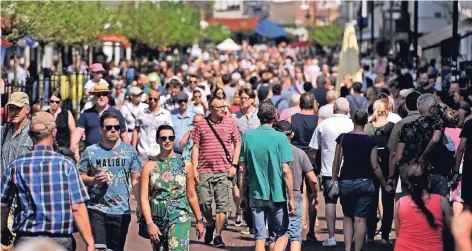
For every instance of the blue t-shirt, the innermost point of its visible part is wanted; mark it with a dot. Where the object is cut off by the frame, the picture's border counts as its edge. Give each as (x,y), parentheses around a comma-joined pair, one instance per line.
(181,126)
(119,163)
(90,121)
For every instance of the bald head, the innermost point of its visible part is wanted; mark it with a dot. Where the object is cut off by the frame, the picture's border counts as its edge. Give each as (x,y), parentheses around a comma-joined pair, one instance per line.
(331,96)
(341,106)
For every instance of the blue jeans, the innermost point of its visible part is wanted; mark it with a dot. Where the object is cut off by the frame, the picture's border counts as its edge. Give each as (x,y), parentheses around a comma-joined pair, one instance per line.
(274,212)
(356,196)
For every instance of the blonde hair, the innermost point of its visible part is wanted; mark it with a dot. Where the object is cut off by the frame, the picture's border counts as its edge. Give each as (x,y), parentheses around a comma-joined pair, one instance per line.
(380,109)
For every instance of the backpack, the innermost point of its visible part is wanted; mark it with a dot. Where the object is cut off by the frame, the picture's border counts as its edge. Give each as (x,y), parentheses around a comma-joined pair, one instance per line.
(381,137)
(442,159)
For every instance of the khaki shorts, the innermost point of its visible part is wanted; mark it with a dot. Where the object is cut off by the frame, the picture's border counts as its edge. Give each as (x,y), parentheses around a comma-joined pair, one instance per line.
(217,186)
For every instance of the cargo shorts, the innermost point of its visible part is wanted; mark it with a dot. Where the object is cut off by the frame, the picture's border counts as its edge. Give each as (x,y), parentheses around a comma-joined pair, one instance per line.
(217,186)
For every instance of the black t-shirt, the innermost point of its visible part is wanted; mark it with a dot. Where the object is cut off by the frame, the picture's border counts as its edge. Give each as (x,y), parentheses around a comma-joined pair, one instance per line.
(320,95)
(356,153)
(466,132)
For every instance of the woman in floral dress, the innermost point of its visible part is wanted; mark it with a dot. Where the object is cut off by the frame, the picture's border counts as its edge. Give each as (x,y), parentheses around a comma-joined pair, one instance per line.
(167,195)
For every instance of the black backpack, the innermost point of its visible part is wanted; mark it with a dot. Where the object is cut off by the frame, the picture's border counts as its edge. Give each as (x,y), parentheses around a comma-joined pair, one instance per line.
(381,137)
(442,159)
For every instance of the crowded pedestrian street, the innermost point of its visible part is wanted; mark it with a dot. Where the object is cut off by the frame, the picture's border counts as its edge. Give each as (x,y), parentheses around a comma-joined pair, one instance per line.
(236,125)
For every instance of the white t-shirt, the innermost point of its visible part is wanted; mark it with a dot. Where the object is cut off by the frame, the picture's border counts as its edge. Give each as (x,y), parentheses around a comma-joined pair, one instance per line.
(148,125)
(325,137)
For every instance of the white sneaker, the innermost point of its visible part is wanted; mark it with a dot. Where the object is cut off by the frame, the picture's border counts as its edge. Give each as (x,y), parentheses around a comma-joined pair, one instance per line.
(239,220)
(330,242)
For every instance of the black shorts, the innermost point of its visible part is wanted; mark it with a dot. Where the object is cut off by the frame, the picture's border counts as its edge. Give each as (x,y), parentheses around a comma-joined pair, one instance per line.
(109,231)
(327,181)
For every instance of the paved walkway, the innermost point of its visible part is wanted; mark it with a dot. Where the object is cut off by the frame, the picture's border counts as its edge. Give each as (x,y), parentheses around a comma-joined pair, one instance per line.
(238,242)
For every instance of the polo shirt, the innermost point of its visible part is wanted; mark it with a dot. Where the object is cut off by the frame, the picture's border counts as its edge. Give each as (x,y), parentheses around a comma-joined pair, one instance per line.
(148,124)
(211,157)
(245,122)
(90,121)
(181,125)
(325,136)
(264,162)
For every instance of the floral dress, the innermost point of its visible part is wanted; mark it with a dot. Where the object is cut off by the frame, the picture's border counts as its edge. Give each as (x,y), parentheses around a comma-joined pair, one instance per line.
(168,200)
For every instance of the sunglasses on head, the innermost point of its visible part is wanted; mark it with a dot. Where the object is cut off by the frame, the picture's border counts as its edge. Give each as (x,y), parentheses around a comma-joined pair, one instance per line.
(54,101)
(164,138)
(109,127)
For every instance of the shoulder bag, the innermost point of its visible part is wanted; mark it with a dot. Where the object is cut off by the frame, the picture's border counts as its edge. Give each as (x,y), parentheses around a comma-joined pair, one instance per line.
(334,188)
(227,154)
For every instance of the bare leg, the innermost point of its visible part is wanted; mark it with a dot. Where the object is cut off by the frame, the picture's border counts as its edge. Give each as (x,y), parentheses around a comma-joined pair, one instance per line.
(260,245)
(330,211)
(220,222)
(281,243)
(359,232)
(236,198)
(348,229)
(295,246)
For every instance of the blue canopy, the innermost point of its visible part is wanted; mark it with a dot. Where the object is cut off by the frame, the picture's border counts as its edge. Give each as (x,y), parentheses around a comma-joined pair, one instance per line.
(270,29)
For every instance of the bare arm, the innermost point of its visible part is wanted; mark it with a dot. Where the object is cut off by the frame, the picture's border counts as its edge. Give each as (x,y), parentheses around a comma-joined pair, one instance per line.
(375,166)
(75,139)
(397,158)
(461,114)
(313,183)
(195,152)
(337,162)
(447,212)
(288,180)
(397,220)
(241,179)
(432,143)
(136,183)
(185,139)
(82,222)
(237,151)
(312,156)
(71,123)
(459,155)
(145,207)
(125,137)
(135,137)
(191,193)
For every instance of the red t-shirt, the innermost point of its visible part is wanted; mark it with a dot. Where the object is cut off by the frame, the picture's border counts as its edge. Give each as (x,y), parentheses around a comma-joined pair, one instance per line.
(212,157)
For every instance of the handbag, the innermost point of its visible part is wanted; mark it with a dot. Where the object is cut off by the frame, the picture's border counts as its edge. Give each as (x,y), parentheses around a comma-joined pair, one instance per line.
(227,154)
(333,192)
(161,221)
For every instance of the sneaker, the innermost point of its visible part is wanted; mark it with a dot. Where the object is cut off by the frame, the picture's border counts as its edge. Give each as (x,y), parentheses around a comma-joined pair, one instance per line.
(246,230)
(310,236)
(218,242)
(239,220)
(330,242)
(209,234)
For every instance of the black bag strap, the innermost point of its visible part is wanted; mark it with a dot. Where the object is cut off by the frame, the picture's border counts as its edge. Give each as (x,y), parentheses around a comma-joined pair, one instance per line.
(228,155)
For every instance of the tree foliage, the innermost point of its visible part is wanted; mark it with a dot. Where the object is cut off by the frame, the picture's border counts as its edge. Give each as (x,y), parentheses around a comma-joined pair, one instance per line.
(216,33)
(330,35)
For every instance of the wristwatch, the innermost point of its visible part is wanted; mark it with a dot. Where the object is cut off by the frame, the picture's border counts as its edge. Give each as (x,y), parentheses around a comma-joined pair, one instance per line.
(234,165)
(200,220)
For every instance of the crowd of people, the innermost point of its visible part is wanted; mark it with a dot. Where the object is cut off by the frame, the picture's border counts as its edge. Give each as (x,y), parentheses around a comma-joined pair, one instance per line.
(261,132)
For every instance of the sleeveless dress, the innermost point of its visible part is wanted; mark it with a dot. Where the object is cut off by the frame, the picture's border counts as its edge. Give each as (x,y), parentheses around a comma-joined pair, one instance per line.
(415,233)
(168,200)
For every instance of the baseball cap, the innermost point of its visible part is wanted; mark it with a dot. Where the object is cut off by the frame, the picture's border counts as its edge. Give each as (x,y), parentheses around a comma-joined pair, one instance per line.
(97,67)
(283,126)
(135,91)
(45,119)
(19,99)
(181,96)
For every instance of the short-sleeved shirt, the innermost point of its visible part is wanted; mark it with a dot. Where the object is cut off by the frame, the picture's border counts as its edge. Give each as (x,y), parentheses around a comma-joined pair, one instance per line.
(466,133)
(181,125)
(416,136)
(245,122)
(300,165)
(46,185)
(148,124)
(397,129)
(14,147)
(356,153)
(211,156)
(118,163)
(264,162)
(325,136)
(90,121)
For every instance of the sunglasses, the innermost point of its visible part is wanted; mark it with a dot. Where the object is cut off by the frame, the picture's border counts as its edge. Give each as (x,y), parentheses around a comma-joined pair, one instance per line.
(154,99)
(193,82)
(54,101)
(99,95)
(165,138)
(109,127)
(181,101)
(219,107)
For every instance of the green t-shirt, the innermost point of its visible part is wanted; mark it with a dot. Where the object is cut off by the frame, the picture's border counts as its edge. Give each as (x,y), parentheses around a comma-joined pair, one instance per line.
(264,150)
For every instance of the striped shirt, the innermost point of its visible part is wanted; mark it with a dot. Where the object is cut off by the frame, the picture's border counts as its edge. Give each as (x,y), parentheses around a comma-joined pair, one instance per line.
(46,185)
(211,156)
(245,122)
(14,146)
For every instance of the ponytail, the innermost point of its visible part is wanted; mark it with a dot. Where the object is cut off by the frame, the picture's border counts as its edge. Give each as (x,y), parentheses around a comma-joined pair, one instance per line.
(417,184)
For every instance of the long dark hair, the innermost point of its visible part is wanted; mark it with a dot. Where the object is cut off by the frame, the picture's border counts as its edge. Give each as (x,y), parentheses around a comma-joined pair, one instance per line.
(418,180)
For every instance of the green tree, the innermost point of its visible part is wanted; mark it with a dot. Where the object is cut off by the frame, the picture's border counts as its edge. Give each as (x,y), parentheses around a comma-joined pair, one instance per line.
(216,33)
(330,35)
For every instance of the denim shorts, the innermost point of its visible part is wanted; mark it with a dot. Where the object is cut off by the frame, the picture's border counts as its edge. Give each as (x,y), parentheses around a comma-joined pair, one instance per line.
(356,196)
(295,221)
(274,212)
(326,181)
(439,185)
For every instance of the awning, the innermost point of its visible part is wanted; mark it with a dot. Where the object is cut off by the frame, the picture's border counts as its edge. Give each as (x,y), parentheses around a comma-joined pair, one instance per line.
(236,24)
(270,29)
(434,38)
(228,45)
(114,38)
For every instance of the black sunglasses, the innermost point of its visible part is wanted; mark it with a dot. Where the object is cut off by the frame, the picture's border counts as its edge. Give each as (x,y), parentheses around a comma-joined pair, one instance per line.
(54,101)
(181,101)
(192,82)
(154,99)
(99,95)
(164,138)
(109,127)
